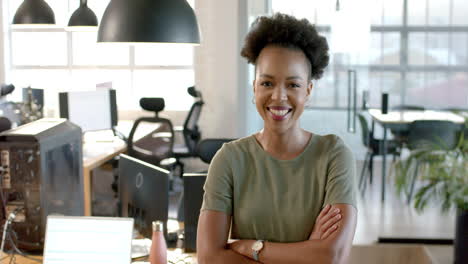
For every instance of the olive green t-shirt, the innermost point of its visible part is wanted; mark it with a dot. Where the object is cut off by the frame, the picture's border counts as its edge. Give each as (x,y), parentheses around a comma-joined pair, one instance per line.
(279,200)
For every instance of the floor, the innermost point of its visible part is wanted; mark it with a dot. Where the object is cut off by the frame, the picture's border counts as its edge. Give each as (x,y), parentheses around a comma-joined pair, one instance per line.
(392,218)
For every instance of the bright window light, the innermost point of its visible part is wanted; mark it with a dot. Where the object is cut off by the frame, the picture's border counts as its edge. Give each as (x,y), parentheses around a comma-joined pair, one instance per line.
(56,59)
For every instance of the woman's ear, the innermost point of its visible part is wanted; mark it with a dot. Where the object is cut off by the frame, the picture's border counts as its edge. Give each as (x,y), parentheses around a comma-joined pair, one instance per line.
(253,85)
(309,87)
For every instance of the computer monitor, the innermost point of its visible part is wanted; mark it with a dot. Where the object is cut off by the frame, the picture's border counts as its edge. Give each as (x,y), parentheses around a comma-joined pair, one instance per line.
(91,110)
(88,240)
(35,95)
(143,193)
(193,199)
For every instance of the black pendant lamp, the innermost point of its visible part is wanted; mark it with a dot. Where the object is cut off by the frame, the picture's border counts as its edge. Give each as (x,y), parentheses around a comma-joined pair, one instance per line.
(83,16)
(160,21)
(34,12)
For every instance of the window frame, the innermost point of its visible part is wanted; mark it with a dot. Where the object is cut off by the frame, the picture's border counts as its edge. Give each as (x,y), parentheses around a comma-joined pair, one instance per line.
(404,30)
(130,66)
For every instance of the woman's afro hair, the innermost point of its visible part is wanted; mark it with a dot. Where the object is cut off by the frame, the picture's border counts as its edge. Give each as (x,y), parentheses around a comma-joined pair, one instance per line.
(289,32)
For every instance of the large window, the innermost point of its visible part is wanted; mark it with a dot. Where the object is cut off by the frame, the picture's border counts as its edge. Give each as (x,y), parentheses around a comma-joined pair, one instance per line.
(418,52)
(56,59)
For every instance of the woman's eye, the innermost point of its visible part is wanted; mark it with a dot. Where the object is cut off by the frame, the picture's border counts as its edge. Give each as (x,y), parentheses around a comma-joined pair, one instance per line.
(266,84)
(294,85)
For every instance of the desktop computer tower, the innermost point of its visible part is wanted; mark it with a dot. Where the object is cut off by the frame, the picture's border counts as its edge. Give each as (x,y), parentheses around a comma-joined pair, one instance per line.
(40,175)
(193,199)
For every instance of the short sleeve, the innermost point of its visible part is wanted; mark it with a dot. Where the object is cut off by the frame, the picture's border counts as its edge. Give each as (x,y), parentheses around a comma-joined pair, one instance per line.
(219,186)
(341,184)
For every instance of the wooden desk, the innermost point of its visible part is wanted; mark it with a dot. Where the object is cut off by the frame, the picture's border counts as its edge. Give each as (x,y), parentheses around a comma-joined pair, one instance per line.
(400,121)
(22,260)
(94,155)
(401,254)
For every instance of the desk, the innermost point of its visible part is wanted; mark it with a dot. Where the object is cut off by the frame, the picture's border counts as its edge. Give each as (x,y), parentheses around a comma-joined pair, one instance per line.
(401,254)
(94,155)
(400,121)
(99,151)
(363,254)
(22,260)
(174,255)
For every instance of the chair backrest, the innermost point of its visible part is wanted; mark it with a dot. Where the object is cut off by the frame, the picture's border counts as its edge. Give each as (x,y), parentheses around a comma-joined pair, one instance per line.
(433,134)
(408,107)
(207,148)
(5,124)
(190,130)
(152,104)
(156,145)
(365,132)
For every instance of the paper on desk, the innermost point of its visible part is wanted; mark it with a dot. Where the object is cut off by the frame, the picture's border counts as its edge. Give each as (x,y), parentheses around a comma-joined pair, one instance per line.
(141,248)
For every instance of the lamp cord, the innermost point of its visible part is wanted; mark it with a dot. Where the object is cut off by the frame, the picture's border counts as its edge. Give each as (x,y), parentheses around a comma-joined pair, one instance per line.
(11,217)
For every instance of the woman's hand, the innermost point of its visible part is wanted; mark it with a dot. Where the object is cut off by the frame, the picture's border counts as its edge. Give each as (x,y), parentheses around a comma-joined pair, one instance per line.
(243,247)
(326,223)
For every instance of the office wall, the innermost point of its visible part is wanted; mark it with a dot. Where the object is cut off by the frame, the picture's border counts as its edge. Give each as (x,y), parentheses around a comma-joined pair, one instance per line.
(220,72)
(2,48)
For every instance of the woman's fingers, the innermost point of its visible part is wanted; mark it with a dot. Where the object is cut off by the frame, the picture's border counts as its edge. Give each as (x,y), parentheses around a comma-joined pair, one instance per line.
(330,231)
(325,221)
(332,221)
(331,213)
(324,211)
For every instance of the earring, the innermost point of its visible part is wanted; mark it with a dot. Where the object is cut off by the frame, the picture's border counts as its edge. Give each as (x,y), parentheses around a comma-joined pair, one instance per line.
(253,100)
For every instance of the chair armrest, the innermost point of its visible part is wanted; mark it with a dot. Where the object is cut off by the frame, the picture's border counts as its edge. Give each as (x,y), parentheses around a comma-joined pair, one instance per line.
(162,135)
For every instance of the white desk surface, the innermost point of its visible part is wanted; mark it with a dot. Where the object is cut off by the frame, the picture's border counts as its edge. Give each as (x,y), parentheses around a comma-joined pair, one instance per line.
(408,116)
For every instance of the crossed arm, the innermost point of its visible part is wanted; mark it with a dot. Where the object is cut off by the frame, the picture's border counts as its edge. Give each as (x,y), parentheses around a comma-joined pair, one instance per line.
(330,241)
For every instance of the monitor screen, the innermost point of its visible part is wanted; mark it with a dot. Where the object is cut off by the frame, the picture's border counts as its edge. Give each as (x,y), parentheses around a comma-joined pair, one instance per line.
(193,199)
(91,110)
(36,95)
(88,240)
(143,193)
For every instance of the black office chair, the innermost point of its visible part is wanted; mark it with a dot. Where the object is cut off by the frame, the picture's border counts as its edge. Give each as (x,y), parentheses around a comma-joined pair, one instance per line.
(190,131)
(457,110)
(431,135)
(402,136)
(5,124)
(157,145)
(374,148)
(207,148)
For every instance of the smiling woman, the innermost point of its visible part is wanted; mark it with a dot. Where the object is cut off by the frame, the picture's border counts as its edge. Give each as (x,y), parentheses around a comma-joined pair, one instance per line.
(287,194)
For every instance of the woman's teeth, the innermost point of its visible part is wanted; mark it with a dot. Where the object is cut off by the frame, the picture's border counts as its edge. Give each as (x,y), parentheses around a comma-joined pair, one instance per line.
(279,112)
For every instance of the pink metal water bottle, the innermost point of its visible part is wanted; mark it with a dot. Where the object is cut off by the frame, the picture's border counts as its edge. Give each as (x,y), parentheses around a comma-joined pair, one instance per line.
(158,251)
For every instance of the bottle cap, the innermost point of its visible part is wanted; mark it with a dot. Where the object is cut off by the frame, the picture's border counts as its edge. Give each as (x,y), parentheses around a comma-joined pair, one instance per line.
(158,226)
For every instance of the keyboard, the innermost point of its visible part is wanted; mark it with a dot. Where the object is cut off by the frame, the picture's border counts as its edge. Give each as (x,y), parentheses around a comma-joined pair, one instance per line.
(175,259)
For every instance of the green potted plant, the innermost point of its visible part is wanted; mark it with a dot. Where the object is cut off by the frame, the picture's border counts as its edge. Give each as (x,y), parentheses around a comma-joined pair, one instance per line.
(444,176)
